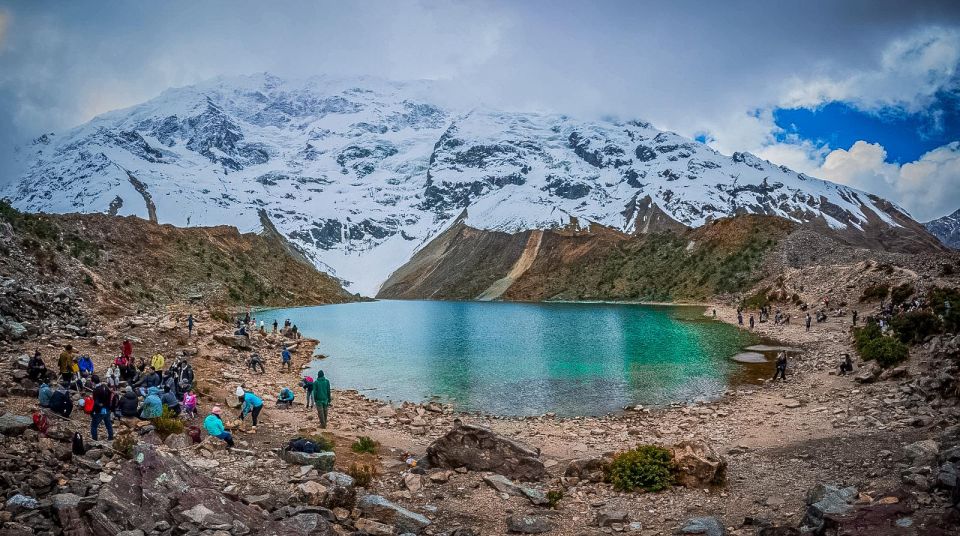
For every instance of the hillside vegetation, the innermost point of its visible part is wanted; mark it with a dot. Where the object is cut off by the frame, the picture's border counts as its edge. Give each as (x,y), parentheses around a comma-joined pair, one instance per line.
(130,262)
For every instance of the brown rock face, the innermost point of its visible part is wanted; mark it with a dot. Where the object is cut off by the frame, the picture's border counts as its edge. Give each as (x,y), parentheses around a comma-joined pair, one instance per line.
(480,449)
(698,465)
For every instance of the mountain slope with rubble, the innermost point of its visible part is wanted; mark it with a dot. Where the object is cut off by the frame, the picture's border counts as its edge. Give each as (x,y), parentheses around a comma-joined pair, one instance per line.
(362,173)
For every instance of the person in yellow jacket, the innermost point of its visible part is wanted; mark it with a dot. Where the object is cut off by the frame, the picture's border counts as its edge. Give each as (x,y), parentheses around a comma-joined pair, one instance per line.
(157,361)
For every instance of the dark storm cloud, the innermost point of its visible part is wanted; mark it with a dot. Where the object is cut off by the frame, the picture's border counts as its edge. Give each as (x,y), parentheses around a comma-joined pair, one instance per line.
(689,66)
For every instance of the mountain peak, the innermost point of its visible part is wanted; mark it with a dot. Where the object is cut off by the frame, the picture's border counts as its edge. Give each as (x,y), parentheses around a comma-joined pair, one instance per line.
(361,172)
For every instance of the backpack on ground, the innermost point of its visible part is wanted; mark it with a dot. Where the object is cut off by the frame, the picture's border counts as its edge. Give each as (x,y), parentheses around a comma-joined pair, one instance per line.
(41,423)
(302,445)
(77,445)
(88,404)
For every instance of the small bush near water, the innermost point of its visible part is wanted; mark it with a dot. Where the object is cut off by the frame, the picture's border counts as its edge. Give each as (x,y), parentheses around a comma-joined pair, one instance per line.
(647,468)
(364,444)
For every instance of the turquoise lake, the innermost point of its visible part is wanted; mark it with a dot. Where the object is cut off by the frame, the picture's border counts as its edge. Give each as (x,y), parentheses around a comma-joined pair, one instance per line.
(525,358)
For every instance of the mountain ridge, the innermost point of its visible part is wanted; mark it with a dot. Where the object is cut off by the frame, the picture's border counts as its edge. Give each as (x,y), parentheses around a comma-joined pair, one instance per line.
(946,229)
(362,173)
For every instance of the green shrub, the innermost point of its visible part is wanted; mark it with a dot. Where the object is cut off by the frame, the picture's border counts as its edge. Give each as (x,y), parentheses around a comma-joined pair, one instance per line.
(362,474)
(364,444)
(915,326)
(875,292)
(901,293)
(939,297)
(167,424)
(873,345)
(647,467)
(553,497)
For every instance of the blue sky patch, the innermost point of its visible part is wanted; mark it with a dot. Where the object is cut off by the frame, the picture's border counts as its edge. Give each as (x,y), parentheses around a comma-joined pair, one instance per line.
(905,136)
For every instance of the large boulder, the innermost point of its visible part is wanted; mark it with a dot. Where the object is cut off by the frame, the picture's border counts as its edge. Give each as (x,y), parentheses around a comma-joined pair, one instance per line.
(157,488)
(14,425)
(698,465)
(922,453)
(480,449)
(707,526)
(323,461)
(528,525)
(380,509)
(234,341)
(341,490)
(824,503)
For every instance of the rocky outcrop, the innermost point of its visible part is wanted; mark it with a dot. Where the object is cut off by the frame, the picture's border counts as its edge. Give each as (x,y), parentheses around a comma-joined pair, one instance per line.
(480,449)
(380,509)
(698,465)
(322,461)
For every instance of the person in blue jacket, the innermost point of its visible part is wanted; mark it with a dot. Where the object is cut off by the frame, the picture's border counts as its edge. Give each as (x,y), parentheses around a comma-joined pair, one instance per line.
(252,404)
(85,364)
(285,399)
(152,406)
(286,358)
(213,424)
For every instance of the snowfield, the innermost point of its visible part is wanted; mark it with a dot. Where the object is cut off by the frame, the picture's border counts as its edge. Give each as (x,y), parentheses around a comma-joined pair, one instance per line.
(362,172)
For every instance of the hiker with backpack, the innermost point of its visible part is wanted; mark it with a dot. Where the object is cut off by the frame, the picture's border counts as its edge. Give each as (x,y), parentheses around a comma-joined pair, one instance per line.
(251,404)
(214,426)
(103,402)
(65,364)
(321,397)
(128,404)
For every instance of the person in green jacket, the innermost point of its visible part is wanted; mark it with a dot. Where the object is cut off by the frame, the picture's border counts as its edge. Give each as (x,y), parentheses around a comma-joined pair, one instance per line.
(321,397)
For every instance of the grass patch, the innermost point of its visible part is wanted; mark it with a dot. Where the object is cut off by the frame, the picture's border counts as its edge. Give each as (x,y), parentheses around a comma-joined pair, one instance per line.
(915,326)
(553,498)
(364,445)
(901,293)
(646,468)
(167,424)
(124,444)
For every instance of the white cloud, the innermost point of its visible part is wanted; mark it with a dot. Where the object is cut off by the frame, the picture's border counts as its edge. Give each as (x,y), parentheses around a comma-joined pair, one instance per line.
(928,187)
(910,72)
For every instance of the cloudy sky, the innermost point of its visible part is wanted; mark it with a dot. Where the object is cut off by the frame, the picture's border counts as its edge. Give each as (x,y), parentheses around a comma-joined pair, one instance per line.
(866,93)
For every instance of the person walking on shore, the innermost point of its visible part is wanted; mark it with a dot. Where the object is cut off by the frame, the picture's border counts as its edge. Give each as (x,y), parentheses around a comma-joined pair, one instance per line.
(751,321)
(321,397)
(781,371)
(190,325)
(739,318)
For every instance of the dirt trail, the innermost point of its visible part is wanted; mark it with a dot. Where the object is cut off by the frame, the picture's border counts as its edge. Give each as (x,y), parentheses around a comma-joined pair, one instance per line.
(524,262)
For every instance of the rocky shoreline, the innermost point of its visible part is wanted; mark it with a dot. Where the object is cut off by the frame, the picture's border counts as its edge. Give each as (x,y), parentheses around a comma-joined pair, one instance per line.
(790,450)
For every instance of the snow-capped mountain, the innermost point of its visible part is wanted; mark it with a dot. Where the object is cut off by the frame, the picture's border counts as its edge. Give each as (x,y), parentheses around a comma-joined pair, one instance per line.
(947,229)
(362,172)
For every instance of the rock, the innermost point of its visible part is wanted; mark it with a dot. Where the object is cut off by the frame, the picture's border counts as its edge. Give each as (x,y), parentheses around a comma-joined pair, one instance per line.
(233,341)
(413,482)
(922,453)
(178,441)
(505,485)
(384,511)
(341,492)
(826,500)
(698,465)
(868,373)
(156,487)
(480,449)
(708,526)
(19,503)
(528,525)
(374,528)
(440,477)
(11,330)
(14,425)
(592,469)
(313,492)
(745,357)
(606,518)
(386,411)
(948,475)
(791,403)
(878,518)
(323,461)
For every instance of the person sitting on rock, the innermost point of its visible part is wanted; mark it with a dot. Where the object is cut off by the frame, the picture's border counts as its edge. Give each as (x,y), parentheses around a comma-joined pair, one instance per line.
(148,380)
(169,399)
(285,398)
(255,362)
(152,406)
(60,402)
(126,350)
(85,364)
(213,424)
(128,407)
(37,369)
(44,395)
(846,366)
(251,404)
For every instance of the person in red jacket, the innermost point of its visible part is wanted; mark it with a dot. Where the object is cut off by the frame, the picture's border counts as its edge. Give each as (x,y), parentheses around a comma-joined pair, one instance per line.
(127,350)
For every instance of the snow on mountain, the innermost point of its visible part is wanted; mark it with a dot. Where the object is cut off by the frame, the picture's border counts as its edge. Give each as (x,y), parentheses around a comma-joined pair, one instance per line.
(362,172)
(947,229)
